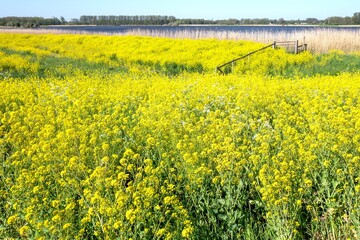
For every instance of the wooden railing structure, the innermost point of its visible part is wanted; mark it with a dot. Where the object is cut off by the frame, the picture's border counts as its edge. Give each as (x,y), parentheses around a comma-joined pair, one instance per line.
(291,46)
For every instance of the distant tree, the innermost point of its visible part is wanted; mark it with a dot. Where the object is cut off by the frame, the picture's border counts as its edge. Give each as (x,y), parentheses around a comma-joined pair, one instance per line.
(131,20)
(230,21)
(74,21)
(13,24)
(260,21)
(62,20)
(281,21)
(334,20)
(356,18)
(28,22)
(312,21)
(348,21)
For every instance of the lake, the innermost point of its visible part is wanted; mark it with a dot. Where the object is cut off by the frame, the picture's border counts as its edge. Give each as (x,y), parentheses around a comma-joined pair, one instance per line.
(247,28)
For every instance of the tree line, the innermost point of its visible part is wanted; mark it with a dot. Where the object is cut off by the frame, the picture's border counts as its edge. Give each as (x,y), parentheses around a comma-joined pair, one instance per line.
(171,20)
(30,22)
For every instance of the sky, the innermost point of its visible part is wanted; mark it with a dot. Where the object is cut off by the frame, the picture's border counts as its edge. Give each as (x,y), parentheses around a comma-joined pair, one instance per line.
(207,9)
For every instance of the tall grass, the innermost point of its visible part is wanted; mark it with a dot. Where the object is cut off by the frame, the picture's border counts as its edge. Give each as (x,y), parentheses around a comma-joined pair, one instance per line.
(320,40)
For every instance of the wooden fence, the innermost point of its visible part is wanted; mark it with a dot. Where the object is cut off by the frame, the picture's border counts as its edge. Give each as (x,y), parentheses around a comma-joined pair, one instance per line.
(290,46)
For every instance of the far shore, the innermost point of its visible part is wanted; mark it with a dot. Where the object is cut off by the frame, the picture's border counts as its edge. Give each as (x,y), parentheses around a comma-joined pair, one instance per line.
(194,25)
(213,25)
(266,25)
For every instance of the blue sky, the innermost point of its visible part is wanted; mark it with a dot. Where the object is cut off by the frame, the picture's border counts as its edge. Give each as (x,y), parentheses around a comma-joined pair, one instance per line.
(208,9)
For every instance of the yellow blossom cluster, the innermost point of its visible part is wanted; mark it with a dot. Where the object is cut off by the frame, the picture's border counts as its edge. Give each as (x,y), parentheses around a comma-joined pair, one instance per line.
(154,53)
(196,156)
(17,63)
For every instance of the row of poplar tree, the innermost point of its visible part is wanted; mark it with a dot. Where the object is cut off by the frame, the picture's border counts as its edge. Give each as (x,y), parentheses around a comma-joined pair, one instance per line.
(30,22)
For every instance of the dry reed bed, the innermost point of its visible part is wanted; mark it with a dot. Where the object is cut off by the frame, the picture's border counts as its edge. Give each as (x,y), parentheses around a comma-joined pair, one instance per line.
(319,40)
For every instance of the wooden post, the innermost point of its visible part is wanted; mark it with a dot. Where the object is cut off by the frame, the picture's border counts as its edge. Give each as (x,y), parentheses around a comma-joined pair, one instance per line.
(305,45)
(274,45)
(296,46)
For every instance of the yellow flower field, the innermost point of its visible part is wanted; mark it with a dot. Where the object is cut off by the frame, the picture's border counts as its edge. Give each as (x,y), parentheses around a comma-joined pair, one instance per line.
(194,55)
(140,155)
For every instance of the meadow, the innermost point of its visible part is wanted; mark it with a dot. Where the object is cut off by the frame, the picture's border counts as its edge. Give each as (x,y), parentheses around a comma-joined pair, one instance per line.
(135,137)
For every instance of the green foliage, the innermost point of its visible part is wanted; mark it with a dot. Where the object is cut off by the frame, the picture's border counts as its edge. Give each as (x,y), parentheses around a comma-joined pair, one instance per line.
(29,22)
(329,64)
(58,66)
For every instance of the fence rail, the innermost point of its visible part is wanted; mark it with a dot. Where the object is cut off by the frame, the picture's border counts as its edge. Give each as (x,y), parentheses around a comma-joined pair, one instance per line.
(218,68)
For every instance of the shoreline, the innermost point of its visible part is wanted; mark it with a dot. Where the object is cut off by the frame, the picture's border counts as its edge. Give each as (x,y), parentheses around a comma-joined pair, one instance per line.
(193,25)
(69,27)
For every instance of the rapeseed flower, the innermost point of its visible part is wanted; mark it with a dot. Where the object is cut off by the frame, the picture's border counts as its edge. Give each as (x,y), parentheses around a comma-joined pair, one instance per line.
(138,154)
